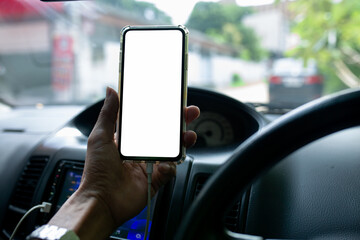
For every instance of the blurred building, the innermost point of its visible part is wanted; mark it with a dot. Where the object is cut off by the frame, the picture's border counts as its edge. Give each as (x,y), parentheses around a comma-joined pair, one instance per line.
(69,52)
(271,23)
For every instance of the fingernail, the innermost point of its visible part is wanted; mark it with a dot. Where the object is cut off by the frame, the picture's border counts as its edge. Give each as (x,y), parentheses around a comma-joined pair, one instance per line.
(107,92)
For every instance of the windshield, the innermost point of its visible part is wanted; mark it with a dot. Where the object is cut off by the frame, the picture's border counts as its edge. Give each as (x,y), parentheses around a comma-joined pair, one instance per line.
(278,53)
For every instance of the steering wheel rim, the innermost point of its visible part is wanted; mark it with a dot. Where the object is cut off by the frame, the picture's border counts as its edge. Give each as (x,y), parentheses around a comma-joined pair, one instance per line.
(204,219)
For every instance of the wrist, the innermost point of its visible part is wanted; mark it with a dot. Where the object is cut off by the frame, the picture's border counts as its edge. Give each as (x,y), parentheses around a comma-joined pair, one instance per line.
(86,214)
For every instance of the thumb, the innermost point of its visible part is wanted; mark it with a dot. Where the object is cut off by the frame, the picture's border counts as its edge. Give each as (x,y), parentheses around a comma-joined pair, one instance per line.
(105,125)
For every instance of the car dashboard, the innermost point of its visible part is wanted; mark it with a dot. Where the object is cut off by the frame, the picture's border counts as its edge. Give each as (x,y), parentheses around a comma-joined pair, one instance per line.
(47,166)
(50,168)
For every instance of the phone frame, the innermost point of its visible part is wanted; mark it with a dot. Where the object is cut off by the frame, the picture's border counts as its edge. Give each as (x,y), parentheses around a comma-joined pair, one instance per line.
(182,150)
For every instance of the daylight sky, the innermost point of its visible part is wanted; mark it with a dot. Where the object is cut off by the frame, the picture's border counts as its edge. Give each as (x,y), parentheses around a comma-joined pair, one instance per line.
(180,10)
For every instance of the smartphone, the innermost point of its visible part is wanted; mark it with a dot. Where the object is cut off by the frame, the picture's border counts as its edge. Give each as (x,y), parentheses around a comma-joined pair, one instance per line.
(152,91)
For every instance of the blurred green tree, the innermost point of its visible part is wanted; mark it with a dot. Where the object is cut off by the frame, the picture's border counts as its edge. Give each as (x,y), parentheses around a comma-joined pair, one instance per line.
(330,33)
(140,9)
(223,22)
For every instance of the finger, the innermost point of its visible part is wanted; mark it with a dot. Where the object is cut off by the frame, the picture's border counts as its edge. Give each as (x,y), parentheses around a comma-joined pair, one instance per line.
(189,138)
(163,173)
(191,113)
(107,118)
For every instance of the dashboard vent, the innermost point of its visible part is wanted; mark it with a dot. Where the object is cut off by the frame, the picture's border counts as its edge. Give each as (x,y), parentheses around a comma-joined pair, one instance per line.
(28,181)
(232,217)
(199,185)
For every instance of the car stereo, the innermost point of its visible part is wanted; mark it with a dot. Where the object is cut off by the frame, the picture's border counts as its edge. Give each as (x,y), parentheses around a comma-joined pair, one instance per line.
(66,180)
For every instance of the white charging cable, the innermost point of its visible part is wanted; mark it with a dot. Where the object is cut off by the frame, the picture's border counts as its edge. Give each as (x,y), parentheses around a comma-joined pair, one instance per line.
(44,207)
(149,171)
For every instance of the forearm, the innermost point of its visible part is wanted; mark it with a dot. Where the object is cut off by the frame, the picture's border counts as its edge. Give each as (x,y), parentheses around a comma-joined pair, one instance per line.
(86,215)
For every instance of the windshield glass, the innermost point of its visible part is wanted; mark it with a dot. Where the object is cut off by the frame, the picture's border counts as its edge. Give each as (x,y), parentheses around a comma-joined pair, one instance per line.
(279,53)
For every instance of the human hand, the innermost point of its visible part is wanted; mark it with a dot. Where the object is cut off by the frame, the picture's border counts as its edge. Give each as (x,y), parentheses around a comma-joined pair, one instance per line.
(123,186)
(118,189)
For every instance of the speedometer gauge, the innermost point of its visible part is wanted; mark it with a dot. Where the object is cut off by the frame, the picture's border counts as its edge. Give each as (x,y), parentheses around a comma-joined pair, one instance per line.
(213,130)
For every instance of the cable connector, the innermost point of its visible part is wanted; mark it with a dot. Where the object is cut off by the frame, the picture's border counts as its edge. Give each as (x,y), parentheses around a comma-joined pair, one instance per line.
(46,207)
(149,171)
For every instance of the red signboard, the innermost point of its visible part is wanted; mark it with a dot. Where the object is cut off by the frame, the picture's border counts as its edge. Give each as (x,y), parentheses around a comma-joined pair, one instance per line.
(62,62)
(26,8)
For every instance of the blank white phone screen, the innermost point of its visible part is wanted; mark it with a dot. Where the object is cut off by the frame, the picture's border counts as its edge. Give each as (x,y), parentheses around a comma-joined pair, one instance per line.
(151,101)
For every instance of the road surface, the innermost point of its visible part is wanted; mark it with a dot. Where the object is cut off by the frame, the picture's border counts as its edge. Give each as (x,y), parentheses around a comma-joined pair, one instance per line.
(255,92)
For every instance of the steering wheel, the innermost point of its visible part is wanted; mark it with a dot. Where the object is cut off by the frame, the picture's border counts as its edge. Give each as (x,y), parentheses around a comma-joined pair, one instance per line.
(205,217)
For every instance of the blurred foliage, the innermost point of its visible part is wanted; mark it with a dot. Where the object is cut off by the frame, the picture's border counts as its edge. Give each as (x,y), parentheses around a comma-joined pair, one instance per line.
(330,33)
(237,81)
(141,9)
(223,23)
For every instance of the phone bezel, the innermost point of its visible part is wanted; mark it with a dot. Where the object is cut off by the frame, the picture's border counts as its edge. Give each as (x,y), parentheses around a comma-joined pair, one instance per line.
(182,151)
